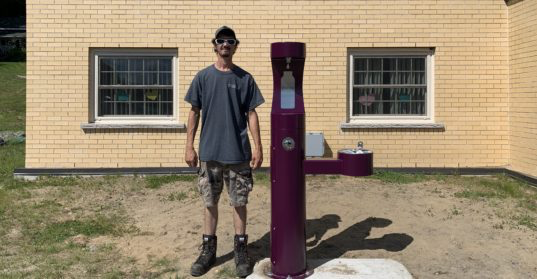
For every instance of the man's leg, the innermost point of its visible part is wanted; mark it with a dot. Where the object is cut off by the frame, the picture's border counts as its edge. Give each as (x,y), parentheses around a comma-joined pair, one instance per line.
(239,181)
(239,219)
(211,220)
(210,186)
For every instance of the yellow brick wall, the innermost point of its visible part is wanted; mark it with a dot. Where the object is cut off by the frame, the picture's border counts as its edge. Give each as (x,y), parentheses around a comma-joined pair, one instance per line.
(523,89)
(471,73)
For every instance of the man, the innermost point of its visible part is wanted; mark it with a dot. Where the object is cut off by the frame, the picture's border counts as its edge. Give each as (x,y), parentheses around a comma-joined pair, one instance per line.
(227,97)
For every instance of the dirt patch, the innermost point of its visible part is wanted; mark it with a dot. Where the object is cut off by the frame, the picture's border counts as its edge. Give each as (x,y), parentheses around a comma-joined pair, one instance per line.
(428,226)
(422,225)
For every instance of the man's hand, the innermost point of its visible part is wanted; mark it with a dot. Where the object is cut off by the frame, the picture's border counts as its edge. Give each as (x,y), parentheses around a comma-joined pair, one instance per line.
(253,124)
(257,159)
(191,157)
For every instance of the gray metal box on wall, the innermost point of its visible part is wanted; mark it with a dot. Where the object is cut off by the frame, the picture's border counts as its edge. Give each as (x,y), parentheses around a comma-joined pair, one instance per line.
(314,144)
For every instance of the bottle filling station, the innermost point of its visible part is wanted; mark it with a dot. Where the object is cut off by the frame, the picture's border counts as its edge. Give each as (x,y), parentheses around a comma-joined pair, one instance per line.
(288,164)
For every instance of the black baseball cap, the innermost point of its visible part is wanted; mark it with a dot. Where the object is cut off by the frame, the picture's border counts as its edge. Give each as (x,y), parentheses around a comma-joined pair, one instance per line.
(224,30)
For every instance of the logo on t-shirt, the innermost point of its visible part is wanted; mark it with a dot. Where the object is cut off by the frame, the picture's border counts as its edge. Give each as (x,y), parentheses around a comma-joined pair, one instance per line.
(232,86)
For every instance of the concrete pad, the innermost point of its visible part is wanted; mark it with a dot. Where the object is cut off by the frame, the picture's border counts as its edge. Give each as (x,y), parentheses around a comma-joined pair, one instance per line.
(344,269)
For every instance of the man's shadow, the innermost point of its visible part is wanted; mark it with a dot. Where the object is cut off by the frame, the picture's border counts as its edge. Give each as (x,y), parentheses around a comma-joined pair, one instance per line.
(352,238)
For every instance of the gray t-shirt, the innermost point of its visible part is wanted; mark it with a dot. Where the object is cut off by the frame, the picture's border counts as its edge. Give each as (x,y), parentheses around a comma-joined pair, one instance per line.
(224,99)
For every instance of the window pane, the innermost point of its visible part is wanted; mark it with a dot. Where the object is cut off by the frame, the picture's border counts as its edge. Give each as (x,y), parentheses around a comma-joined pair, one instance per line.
(375,108)
(150,65)
(136,78)
(405,78)
(404,64)
(169,108)
(419,64)
(165,78)
(105,99)
(375,64)
(417,108)
(121,95)
(390,78)
(359,78)
(106,78)
(151,95)
(121,65)
(418,94)
(107,64)
(136,65)
(122,108)
(356,93)
(166,95)
(138,95)
(360,64)
(419,78)
(165,65)
(374,78)
(150,79)
(151,108)
(121,78)
(389,64)
(138,108)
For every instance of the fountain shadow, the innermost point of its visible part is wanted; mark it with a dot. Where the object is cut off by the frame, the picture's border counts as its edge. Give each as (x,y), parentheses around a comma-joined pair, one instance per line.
(351,239)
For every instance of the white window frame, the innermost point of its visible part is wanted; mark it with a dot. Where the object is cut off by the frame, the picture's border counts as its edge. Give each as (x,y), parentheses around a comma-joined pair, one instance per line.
(394,52)
(129,52)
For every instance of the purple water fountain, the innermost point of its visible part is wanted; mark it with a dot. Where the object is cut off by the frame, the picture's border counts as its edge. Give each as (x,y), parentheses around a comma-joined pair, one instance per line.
(288,164)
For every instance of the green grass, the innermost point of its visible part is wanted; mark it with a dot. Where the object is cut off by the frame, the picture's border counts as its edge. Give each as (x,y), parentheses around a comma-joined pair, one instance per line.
(13,96)
(98,225)
(498,186)
(261,178)
(177,196)
(527,221)
(400,178)
(155,182)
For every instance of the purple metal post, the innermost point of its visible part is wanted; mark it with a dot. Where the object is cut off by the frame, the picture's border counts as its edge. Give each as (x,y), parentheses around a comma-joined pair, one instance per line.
(288,201)
(288,167)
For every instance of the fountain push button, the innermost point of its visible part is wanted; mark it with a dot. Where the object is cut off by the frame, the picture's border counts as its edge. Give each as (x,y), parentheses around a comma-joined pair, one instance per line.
(288,144)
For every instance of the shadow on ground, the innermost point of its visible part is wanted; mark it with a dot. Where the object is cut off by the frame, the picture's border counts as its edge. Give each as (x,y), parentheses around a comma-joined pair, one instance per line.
(351,239)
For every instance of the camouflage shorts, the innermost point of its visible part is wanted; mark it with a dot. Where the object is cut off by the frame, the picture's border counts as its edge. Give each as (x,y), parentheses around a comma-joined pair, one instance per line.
(238,179)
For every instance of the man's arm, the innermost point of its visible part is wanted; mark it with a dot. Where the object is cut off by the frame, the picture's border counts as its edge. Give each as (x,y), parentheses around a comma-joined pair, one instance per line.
(253,124)
(191,158)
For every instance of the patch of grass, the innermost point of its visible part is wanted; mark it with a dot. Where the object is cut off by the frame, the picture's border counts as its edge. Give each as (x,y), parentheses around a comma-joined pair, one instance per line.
(5,204)
(13,96)
(12,155)
(528,221)
(226,271)
(99,225)
(399,178)
(156,181)
(469,194)
(455,211)
(529,203)
(498,186)
(261,178)
(177,196)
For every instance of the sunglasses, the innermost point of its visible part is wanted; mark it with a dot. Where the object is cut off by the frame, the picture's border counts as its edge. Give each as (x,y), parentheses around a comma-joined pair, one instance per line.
(230,42)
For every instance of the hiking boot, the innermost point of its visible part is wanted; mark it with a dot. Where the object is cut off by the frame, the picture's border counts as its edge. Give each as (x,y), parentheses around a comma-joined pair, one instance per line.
(207,257)
(242,262)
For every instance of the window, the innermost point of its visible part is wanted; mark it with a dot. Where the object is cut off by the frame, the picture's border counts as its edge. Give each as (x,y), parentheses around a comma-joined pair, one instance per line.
(391,85)
(135,85)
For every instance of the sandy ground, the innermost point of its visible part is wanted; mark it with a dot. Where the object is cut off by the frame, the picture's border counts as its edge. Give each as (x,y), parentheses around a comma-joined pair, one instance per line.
(421,225)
